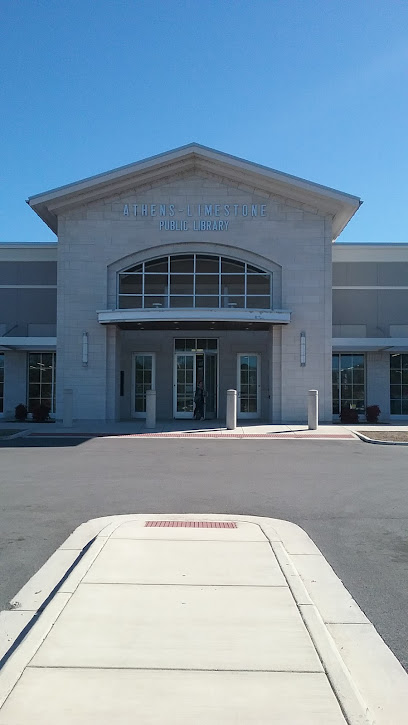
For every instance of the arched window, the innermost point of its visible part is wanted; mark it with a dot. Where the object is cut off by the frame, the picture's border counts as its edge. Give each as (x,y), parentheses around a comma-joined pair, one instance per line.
(195,281)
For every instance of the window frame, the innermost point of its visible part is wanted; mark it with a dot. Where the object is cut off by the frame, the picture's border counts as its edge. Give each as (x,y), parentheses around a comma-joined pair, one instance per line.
(53,379)
(339,355)
(135,354)
(400,385)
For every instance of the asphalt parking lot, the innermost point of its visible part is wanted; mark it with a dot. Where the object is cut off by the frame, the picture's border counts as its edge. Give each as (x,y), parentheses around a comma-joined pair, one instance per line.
(349,496)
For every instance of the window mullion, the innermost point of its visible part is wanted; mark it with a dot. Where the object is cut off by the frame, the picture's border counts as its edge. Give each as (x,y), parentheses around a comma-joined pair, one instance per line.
(194,279)
(219,282)
(168,280)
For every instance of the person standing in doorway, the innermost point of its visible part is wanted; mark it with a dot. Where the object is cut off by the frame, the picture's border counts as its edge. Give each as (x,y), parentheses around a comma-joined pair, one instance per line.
(199,401)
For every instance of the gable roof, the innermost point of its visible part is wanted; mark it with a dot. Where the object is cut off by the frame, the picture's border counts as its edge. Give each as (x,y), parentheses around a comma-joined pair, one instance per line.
(195,158)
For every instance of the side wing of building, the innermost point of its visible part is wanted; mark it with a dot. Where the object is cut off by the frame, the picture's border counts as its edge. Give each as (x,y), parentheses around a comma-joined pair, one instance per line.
(370,328)
(28,314)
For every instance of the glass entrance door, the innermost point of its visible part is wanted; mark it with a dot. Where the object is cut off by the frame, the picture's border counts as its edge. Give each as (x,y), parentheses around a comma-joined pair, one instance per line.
(198,363)
(249,386)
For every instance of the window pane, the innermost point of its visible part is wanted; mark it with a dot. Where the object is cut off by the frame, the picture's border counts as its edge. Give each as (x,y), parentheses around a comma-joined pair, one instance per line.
(346,375)
(258,284)
(156,284)
(181,301)
(46,375)
(207,263)
(358,376)
(232,265)
(130,284)
(130,303)
(395,361)
(252,269)
(181,284)
(358,392)
(258,303)
(47,359)
(232,302)
(347,391)
(395,377)
(207,284)
(137,268)
(233,284)
(207,302)
(155,301)
(395,407)
(157,265)
(182,263)
(395,392)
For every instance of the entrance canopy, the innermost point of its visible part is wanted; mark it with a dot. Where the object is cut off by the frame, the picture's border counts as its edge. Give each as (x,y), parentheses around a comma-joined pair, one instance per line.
(209,316)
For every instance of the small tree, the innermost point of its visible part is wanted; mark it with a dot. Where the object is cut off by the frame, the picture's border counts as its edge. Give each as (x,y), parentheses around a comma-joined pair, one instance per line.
(372,413)
(349,415)
(41,413)
(20,412)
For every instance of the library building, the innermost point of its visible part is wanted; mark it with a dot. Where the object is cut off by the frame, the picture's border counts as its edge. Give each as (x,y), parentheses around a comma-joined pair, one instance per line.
(196,269)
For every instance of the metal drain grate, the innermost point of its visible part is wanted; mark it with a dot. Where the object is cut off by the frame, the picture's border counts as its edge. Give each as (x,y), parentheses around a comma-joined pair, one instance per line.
(193,524)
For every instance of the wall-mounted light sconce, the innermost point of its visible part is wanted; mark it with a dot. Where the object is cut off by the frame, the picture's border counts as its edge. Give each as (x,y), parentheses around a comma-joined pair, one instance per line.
(84,348)
(303,349)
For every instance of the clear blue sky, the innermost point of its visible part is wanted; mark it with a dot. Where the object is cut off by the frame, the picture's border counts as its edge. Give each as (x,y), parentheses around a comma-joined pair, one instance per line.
(315,88)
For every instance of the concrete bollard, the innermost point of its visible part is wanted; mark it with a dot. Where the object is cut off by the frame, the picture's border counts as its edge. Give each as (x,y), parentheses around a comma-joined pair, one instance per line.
(231,409)
(313,409)
(68,408)
(150,408)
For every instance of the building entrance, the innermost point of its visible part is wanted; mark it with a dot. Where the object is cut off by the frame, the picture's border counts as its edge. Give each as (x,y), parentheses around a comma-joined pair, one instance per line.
(195,361)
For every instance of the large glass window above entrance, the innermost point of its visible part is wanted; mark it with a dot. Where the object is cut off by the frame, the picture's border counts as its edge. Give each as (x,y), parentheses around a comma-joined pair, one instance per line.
(195,281)
(399,384)
(348,382)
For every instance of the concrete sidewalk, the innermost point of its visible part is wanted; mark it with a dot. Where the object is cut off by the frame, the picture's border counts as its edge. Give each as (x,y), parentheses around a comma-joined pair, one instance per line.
(193,619)
(181,429)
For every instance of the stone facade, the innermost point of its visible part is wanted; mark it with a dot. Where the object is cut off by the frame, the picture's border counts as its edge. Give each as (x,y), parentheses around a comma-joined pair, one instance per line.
(97,240)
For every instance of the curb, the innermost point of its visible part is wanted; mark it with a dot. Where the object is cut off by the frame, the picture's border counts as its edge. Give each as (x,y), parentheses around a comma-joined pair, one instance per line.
(20,434)
(368,681)
(376,441)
